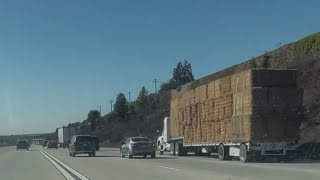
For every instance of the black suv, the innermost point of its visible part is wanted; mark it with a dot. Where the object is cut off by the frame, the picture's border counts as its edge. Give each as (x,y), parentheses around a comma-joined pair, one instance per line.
(82,144)
(22,144)
(96,142)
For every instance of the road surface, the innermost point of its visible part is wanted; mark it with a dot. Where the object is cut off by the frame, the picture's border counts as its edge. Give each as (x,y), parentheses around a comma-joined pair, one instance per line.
(40,163)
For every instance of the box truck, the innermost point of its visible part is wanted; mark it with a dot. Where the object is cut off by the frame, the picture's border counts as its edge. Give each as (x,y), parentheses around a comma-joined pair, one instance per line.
(64,136)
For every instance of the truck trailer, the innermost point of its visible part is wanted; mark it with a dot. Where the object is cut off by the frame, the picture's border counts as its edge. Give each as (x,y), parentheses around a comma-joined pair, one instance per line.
(248,115)
(64,136)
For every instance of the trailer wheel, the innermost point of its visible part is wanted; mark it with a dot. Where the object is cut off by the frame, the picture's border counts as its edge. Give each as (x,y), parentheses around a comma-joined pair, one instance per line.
(223,152)
(172,149)
(178,152)
(244,154)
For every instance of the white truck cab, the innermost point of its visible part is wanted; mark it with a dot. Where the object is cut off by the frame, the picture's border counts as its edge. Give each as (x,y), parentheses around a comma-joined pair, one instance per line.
(162,142)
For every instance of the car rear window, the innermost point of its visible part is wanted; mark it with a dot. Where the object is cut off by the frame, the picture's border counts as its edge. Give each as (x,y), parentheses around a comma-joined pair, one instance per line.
(84,139)
(22,142)
(139,139)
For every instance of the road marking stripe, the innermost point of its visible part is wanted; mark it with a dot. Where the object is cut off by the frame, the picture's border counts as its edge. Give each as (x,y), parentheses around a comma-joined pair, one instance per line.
(60,169)
(82,177)
(72,174)
(168,168)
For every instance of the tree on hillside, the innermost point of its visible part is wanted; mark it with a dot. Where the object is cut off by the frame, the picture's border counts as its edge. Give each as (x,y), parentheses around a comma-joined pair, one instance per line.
(121,105)
(92,118)
(167,85)
(266,63)
(142,99)
(253,63)
(182,74)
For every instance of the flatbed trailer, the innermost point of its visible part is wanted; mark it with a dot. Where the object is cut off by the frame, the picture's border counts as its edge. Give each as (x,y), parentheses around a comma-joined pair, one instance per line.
(250,115)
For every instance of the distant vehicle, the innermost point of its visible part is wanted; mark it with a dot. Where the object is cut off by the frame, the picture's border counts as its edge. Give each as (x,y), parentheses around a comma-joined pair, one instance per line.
(52,144)
(96,142)
(22,144)
(45,142)
(82,144)
(64,135)
(137,146)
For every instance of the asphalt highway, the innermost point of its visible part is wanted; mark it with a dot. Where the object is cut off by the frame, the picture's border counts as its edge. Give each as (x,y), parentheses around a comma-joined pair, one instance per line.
(56,164)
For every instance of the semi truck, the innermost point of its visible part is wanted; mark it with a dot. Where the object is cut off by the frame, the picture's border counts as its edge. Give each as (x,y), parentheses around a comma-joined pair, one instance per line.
(64,136)
(246,115)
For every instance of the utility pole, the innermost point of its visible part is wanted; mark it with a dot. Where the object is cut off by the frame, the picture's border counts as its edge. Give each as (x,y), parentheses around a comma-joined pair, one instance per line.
(111,101)
(100,110)
(155,81)
(129,98)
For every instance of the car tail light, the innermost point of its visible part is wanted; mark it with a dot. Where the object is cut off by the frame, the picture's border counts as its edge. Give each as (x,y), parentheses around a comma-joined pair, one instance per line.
(133,146)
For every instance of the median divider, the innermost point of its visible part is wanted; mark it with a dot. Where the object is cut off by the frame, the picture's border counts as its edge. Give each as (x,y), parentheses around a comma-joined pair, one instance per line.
(68,172)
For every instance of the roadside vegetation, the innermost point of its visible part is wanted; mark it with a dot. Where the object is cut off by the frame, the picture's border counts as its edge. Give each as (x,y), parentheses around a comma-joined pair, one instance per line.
(143,116)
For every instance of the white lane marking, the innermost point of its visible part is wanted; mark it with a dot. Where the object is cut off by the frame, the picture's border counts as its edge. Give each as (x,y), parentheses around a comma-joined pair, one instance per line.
(168,168)
(82,177)
(62,171)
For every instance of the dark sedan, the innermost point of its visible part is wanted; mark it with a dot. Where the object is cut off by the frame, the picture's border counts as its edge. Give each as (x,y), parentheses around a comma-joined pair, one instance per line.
(22,144)
(96,142)
(52,144)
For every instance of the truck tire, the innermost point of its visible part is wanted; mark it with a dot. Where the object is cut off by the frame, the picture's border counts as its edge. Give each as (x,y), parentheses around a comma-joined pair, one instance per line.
(172,149)
(177,149)
(244,155)
(223,152)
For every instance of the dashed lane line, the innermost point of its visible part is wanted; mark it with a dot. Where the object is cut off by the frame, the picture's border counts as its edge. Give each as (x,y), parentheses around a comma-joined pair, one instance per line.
(165,167)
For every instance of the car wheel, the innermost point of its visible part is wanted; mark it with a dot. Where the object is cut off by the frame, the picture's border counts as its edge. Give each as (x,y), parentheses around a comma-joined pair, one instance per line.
(121,154)
(129,156)
(153,155)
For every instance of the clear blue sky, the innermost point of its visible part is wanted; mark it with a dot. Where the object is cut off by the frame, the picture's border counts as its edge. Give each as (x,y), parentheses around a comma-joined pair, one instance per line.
(59,59)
